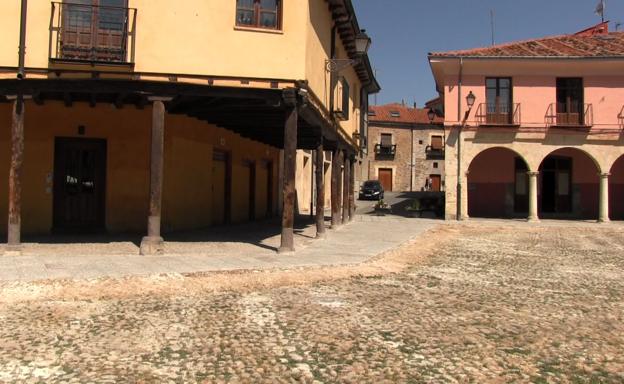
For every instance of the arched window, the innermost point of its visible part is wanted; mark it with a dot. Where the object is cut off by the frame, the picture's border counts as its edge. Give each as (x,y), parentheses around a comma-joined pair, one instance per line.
(259,13)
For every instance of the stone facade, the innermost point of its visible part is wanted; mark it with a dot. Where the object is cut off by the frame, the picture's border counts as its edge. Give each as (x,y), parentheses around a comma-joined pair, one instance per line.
(412,162)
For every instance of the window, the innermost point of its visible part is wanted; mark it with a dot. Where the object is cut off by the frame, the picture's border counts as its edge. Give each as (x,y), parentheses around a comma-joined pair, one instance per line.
(499,100)
(343,96)
(395,114)
(435,165)
(437,143)
(386,139)
(570,101)
(259,13)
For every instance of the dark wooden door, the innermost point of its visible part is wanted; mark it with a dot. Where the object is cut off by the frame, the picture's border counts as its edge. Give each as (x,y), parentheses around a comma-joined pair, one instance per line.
(436,183)
(79,184)
(221,187)
(385,178)
(94,30)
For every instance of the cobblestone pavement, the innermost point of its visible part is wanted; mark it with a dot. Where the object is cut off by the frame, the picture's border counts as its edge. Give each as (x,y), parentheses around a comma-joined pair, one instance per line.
(488,304)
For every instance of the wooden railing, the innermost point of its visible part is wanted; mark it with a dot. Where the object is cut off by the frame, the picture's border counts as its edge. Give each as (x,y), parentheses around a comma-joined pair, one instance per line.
(91,33)
(581,116)
(498,114)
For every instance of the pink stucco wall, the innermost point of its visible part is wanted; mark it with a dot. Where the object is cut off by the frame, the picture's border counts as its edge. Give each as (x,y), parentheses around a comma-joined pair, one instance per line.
(535,92)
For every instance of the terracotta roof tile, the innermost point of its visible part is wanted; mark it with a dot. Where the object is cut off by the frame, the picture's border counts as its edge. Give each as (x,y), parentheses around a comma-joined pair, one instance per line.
(572,46)
(400,113)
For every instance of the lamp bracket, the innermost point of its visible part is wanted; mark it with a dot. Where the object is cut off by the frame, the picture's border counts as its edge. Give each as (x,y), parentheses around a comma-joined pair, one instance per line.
(339,65)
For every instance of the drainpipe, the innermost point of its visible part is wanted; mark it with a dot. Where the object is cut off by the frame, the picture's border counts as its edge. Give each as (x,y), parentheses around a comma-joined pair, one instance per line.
(412,162)
(459,142)
(22,41)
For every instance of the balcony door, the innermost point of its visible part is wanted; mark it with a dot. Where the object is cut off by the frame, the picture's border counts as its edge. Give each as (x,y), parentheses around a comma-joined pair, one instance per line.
(499,100)
(94,30)
(570,101)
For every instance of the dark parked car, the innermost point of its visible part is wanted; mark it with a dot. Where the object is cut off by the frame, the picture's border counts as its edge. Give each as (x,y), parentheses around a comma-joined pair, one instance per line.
(371,190)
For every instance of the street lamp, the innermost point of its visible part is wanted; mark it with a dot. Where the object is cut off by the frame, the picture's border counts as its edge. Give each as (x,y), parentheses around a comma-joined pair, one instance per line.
(431,114)
(470,101)
(362,44)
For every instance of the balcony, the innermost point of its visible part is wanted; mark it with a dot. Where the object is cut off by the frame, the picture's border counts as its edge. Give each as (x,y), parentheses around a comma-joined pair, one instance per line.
(498,114)
(434,153)
(385,150)
(92,34)
(582,116)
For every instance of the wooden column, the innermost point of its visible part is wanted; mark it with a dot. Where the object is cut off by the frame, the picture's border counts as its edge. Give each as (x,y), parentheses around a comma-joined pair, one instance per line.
(346,183)
(336,194)
(352,191)
(290,165)
(153,243)
(320,191)
(15,177)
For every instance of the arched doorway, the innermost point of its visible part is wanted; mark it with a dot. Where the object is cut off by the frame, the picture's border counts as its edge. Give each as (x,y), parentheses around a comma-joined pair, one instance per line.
(616,190)
(498,185)
(568,185)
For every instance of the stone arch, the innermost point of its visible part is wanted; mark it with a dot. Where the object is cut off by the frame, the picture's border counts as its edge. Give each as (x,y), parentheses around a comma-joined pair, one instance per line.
(616,189)
(498,184)
(568,184)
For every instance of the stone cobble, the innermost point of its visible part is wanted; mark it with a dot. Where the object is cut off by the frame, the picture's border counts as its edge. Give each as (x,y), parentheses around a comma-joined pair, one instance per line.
(507,304)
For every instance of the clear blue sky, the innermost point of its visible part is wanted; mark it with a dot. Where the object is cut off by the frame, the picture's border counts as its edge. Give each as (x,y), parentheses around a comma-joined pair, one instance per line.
(404,31)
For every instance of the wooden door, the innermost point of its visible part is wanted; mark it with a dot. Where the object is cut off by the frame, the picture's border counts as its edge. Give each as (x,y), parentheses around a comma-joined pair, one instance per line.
(385,178)
(79,185)
(220,188)
(252,191)
(94,30)
(262,191)
(436,183)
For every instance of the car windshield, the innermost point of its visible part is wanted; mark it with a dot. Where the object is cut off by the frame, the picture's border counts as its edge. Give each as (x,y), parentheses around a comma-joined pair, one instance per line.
(371,184)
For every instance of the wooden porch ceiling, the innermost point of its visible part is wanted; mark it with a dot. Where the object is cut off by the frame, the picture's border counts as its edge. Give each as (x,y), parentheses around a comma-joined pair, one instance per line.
(256,114)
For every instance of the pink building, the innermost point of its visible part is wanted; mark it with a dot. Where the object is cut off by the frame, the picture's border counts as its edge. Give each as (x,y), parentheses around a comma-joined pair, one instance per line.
(543,137)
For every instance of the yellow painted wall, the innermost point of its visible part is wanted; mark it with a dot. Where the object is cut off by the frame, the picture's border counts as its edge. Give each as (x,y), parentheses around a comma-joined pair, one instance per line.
(200,38)
(189,143)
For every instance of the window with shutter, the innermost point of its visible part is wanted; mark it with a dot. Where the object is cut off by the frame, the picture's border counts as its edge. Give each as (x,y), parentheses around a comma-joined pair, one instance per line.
(386,139)
(437,142)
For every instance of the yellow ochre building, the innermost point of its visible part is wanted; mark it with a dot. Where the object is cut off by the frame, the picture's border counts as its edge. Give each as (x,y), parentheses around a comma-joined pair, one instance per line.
(149,116)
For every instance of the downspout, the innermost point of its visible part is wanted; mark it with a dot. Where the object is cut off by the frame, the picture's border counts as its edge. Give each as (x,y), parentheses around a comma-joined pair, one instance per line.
(459,142)
(412,161)
(22,42)
(332,76)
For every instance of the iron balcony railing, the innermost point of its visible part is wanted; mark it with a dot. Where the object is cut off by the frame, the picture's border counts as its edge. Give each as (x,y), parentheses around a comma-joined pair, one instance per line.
(91,33)
(385,149)
(498,114)
(562,115)
(434,152)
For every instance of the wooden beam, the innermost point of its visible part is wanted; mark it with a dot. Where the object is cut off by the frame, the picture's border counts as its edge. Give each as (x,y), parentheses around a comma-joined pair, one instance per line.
(153,243)
(320,190)
(346,182)
(290,166)
(15,177)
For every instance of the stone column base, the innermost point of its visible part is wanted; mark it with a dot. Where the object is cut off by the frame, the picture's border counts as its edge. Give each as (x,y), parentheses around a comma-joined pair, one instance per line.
(151,246)
(13,250)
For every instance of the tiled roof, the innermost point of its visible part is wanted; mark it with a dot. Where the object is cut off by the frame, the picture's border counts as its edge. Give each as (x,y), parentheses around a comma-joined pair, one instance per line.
(400,113)
(565,46)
